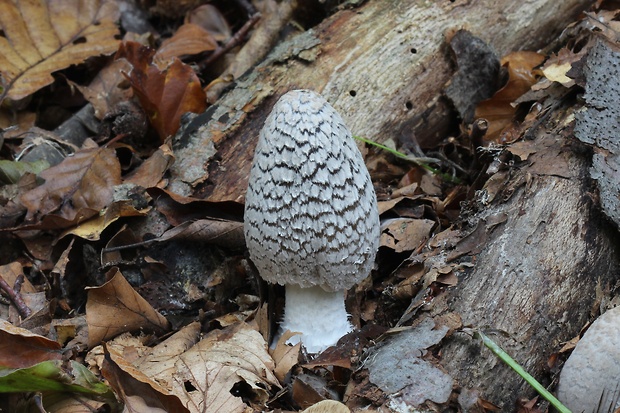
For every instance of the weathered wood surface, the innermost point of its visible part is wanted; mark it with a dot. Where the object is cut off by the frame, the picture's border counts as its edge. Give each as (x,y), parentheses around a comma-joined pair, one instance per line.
(536,277)
(382,66)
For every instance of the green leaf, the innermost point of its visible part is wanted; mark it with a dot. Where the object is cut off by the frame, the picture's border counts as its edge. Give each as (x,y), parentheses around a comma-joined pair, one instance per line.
(51,376)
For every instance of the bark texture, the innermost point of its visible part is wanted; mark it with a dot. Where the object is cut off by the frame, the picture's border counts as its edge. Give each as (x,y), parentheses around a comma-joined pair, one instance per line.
(538,273)
(382,66)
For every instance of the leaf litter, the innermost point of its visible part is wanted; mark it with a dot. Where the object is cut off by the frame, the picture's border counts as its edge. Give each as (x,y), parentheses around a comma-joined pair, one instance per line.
(110,250)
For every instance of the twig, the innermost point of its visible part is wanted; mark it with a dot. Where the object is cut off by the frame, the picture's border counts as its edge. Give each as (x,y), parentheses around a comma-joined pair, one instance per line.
(232,42)
(15,297)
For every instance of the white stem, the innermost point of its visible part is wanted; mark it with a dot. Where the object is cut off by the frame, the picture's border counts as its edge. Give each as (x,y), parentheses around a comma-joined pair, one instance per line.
(319,316)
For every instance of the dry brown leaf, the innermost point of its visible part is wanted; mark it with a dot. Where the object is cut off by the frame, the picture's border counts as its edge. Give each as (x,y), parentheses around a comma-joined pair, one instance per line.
(556,68)
(327,406)
(215,365)
(76,189)
(10,272)
(15,124)
(189,39)
(19,348)
(179,209)
(106,90)
(159,363)
(115,308)
(285,356)
(211,231)
(138,392)
(39,38)
(211,19)
(91,230)
(499,111)
(405,234)
(74,403)
(164,93)
(152,170)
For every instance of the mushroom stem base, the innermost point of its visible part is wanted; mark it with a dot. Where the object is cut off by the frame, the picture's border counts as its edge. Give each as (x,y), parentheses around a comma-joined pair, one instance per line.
(319,316)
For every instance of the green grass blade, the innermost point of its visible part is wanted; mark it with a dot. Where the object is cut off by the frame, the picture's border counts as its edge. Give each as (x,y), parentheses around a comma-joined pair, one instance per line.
(521,372)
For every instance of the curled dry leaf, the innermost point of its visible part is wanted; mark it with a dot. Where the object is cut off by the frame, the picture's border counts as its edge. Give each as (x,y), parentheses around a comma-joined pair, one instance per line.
(164,93)
(19,348)
(405,234)
(211,19)
(92,229)
(498,110)
(106,91)
(152,170)
(115,308)
(216,365)
(41,37)
(327,406)
(159,363)
(11,272)
(285,356)
(76,189)
(179,209)
(190,39)
(139,393)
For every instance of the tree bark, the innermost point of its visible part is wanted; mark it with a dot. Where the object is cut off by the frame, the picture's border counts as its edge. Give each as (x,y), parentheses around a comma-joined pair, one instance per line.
(382,66)
(538,273)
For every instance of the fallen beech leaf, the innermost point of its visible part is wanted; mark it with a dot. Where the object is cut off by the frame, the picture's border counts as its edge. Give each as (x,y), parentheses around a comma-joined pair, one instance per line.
(15,124)
(308,390)
(189,39)
(213,368)
(327,406)
(12,171)
(498,110)
(74,403)
(165,94)
(139,393)
(152,170)
(39,38)
(92,229)
(159,363)
(10,272)
(210,231)
(211,19)
(179,209)
(19,348)
(405,234)
(285,356)
(77,188)
(106,91)
(115,308)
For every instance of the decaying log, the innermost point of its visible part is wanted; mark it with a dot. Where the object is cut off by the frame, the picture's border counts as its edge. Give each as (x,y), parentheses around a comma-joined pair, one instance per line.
(537,275)
(381,65)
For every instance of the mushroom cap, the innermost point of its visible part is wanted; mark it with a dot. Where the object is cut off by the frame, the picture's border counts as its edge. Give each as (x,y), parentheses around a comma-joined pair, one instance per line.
(311,214)
(591,374)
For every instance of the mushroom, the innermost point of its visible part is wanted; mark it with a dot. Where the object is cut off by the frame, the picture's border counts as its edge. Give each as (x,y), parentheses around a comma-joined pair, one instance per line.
(311,218)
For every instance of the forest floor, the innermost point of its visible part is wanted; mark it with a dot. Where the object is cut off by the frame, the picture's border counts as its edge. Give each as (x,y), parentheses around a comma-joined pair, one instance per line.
(118,294)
